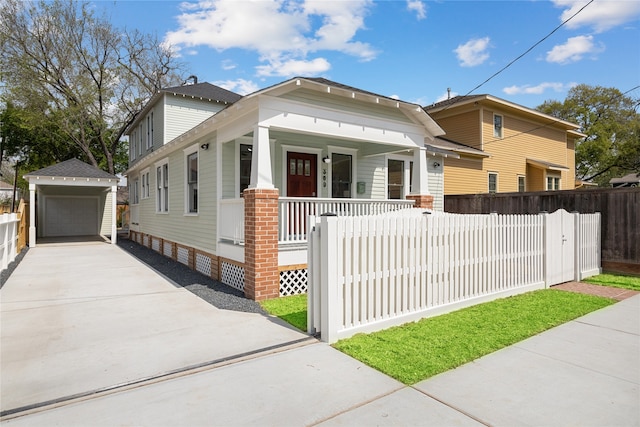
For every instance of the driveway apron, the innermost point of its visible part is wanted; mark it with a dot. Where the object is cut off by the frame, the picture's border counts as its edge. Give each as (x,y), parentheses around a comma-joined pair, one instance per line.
(83,317)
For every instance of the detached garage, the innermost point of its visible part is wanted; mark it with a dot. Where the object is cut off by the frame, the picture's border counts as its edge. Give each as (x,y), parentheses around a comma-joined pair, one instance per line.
(72,199)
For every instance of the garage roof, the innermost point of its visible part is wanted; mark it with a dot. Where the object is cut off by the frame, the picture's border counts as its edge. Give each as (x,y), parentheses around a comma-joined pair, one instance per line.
(72,171)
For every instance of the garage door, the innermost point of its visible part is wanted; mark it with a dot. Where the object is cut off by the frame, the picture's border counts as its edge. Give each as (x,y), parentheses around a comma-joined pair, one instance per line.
(71,216)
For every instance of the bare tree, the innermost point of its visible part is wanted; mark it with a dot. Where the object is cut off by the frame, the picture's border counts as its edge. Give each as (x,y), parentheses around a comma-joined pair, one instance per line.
(68,66)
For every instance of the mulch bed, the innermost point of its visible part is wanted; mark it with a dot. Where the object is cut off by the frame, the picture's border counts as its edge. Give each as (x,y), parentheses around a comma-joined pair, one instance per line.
(601,291)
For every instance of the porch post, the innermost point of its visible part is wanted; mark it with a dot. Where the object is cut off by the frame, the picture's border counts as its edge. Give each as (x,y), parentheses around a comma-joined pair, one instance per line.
(32,215)
(261,276)
(261,175)
(114,219)
(420,182)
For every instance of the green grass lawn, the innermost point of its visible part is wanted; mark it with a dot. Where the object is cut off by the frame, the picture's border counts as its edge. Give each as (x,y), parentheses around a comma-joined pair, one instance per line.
(292,309)
(415,351)
(616,281)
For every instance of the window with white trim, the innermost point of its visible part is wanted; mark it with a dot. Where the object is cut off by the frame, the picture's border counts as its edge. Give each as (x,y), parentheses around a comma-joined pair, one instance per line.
(134,191)
(341,175)
(146,176)
(493,182)
(245,166)
(148,132)
(553,183)
(162,188)
(399,177)
(192,182)
(497,126)
(522,184)
(132,145)
(140,131)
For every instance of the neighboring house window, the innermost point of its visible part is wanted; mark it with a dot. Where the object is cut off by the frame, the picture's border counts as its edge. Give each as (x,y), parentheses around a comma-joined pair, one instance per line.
(395,179)
(162,188)
(245,166)
(497,126)
(493,182)
(192,182)
(145,184)
(553,183)
(522,184)
(341,175)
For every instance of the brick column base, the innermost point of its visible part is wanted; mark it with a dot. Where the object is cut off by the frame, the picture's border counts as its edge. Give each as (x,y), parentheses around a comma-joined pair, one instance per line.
(423,201)
(261,276)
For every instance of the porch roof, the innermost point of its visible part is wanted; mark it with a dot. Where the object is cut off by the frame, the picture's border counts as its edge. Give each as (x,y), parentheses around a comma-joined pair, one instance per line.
(546,165)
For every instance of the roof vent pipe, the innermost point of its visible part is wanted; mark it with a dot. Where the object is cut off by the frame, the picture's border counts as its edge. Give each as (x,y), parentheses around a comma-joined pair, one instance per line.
(191,77)
(448,93)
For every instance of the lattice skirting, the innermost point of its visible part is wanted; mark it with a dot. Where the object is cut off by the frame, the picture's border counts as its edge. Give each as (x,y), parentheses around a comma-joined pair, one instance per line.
(167,249)
(155,244)
(232,275)
(183,255)
(293,282)
(203,264)
(145,240)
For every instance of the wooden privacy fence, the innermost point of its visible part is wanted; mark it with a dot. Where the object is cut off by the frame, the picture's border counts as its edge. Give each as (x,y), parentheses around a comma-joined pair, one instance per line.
(370,273)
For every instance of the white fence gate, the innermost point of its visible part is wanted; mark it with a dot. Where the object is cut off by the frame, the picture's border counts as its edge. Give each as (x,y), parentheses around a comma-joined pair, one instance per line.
(370,273)
(8,239)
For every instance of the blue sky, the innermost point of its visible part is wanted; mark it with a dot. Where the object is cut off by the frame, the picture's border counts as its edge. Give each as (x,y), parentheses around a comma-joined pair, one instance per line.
(412,50)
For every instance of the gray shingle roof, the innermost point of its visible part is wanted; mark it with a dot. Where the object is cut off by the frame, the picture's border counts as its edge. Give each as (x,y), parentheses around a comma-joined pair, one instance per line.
(73,168)
(451,101)
(204,90)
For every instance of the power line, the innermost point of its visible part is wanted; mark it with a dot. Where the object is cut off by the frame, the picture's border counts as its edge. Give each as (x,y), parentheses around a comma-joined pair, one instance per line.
(521,55)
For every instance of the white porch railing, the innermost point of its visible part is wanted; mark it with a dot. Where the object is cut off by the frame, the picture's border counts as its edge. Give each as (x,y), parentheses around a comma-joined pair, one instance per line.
(293,212)
(232,220)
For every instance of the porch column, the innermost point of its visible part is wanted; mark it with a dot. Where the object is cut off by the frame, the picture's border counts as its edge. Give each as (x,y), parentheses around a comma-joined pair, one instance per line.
(32,215)
(261,276)
(114,216)
(261,176)
(420,181)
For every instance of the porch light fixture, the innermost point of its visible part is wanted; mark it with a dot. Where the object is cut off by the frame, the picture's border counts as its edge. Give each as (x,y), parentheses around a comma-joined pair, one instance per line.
(436,164)
(326,159)
(205,146)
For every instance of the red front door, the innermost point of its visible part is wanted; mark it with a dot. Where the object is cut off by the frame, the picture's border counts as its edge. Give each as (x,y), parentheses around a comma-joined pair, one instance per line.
(302,180)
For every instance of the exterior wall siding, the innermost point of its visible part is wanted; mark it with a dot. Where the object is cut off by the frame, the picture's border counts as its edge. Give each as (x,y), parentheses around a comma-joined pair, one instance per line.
(462,128)
(183,114)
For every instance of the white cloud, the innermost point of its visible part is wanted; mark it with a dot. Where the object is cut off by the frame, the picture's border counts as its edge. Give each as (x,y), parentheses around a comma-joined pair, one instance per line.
(241,86)
(474,52)
(601,15)
(538,89)
(418,7)
(573,50)
(293,67)
(228,64)
(285,33)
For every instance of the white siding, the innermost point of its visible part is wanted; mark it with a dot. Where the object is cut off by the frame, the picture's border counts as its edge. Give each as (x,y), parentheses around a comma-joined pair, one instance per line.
(436,181)
(229,164)
(372,171)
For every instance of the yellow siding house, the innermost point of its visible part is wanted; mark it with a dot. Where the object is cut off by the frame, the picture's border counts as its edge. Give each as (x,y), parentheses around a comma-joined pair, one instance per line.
(519,149)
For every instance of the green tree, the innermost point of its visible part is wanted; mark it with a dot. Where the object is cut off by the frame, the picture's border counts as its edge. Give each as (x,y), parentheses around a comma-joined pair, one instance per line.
(611,122)
(77,78)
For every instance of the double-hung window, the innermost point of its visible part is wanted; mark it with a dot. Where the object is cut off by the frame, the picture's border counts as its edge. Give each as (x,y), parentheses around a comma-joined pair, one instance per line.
(553,182)
(497,126)
(145,184)
(162,187)
(192,182)
(522,184)
(493,182)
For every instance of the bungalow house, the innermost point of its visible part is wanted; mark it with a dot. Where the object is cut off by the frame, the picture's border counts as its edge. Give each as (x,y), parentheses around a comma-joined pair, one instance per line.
(225,183)
(514,148)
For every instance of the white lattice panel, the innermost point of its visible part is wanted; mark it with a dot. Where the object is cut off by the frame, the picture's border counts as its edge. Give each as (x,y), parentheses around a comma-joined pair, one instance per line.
(293,282)
(145,240)
(232,275)
(183,255)
(155,244)
(167,250)
(203,264)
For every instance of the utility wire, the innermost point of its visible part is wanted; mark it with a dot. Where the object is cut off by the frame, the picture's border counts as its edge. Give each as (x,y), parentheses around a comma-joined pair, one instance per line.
(520,56)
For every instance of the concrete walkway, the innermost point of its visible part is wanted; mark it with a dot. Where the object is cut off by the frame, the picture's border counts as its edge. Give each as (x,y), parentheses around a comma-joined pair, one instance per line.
(68,330)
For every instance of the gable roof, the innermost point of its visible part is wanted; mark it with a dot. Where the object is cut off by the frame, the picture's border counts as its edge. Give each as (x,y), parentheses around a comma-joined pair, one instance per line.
(72,168)
(632,178)
(458,101)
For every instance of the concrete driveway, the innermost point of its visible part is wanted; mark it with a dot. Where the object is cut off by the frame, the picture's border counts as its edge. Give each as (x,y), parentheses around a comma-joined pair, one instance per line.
(83,317)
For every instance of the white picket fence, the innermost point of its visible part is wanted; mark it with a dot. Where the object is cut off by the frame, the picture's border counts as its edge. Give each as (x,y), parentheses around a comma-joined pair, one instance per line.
(8,239)
(370,273)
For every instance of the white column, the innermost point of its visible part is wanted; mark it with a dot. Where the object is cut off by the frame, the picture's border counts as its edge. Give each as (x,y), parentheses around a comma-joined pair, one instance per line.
(420,181)
(114,211)
(261,175)
(32,215)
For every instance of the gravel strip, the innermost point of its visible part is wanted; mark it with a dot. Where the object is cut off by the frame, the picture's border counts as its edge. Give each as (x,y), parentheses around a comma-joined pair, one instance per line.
(210,290)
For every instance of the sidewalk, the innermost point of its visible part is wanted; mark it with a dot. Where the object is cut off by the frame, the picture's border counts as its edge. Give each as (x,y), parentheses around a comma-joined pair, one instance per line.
(585,372)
